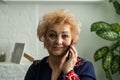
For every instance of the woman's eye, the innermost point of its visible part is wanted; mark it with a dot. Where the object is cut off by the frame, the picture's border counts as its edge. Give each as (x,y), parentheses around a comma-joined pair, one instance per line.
(65,36)
(52,35)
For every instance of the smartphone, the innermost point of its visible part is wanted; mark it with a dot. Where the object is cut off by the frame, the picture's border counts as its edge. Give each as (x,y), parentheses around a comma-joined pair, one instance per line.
(69,53)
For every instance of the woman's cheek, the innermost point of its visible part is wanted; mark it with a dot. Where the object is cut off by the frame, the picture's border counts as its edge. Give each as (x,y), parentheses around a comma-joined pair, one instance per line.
(48,42)
(67,43)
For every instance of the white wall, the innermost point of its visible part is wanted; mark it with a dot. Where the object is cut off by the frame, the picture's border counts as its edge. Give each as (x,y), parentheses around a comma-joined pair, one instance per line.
(18,23)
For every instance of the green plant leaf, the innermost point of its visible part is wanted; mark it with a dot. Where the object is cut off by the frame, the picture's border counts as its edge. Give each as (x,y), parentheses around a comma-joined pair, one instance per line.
(118,48)
(108,34)
(115,64)
(108,75)
(112,0)
(100,25)
(100,53)
(115,45)
(116,5)
(119,67)
(116,27)
(106,62)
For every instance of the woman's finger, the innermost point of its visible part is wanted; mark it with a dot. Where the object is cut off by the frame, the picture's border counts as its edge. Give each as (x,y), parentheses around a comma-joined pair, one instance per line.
(73,51)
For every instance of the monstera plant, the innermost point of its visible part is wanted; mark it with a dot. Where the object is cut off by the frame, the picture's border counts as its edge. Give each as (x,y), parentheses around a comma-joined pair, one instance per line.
(109,54)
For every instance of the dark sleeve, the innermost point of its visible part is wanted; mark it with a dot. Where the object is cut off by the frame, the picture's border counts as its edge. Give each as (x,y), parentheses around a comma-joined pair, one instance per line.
(86,71)
(31,73)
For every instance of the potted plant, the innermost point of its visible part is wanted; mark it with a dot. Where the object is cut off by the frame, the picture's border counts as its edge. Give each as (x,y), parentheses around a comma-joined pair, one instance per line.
(2,56)
(116,5)
(109,54)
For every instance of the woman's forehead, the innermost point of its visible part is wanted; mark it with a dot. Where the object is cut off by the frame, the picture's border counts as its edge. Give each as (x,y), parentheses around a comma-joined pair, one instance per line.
(60,28)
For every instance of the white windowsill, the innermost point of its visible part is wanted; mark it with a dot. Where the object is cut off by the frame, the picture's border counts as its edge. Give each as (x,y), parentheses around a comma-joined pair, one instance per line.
(10,63)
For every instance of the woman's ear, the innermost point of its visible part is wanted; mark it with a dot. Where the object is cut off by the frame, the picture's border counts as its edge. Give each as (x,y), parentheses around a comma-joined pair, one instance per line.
(45,44)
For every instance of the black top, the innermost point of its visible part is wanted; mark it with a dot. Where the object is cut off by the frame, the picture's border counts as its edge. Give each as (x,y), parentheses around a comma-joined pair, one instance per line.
(40,70)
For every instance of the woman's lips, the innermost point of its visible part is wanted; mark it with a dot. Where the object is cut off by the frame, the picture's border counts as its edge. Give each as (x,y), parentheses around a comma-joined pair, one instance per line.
(57,48)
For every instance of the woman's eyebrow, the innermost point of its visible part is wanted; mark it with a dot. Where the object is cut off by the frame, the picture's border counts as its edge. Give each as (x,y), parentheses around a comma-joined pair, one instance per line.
(51,31)
(65,31)
(56,32)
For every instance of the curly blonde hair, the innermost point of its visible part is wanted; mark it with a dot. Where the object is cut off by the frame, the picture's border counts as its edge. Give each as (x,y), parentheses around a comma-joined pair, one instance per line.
(57,17)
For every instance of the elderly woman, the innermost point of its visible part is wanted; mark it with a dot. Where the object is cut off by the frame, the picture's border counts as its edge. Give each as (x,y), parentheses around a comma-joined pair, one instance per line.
(59,31)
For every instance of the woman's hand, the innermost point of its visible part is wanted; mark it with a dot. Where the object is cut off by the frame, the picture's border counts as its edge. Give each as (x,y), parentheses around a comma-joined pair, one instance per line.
(70,63)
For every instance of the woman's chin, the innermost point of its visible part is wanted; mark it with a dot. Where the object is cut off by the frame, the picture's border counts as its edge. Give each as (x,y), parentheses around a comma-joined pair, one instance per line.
(58,54)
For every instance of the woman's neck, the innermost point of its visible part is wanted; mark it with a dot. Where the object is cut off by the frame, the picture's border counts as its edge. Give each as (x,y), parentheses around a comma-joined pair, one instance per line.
(56,62)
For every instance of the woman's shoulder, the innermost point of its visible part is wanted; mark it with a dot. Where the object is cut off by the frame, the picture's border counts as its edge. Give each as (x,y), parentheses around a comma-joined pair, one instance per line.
(83,62)
(84,68)
(38,62)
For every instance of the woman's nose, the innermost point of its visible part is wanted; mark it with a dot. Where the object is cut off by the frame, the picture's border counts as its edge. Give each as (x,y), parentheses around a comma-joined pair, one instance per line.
(59,40)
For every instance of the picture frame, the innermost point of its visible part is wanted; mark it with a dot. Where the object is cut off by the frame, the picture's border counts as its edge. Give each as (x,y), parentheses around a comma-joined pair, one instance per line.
(17,52)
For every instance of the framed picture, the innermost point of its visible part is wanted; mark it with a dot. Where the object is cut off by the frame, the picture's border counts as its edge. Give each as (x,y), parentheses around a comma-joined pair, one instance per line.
(17,52)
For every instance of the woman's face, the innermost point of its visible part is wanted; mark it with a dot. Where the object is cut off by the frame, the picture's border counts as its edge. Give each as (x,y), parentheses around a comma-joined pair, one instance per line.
(58,39)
